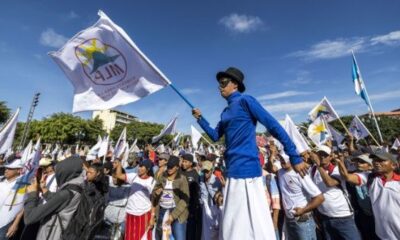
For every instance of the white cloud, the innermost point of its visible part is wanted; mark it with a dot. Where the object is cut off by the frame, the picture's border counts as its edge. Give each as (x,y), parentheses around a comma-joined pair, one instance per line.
(302,77)
(189,91)
(392,38)
(290,107)
(50,38)
(329,49)
(241,23)
(282,95)
(72,15)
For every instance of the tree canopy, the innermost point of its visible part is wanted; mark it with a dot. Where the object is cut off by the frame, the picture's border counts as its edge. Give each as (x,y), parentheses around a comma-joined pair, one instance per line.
(4,112)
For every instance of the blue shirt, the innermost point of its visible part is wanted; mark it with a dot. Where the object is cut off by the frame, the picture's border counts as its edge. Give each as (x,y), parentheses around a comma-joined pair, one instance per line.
(238,124)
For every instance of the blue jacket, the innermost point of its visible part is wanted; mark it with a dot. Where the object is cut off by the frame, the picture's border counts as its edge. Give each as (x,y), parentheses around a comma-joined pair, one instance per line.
(238,124)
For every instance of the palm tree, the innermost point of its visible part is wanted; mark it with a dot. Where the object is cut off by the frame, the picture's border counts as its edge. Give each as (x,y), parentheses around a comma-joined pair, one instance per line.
(4,112)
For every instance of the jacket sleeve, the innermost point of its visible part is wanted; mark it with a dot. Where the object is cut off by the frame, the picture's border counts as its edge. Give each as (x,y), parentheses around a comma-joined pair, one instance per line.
(214,134)
(34,211)
(183,203)
(273,127)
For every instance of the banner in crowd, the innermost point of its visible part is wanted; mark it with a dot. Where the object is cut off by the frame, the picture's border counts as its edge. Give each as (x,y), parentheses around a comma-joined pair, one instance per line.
(335,134)
(196,136)
(7,133)
(358,129)
(318,132)
(106,68)
(168,129)
(295,136)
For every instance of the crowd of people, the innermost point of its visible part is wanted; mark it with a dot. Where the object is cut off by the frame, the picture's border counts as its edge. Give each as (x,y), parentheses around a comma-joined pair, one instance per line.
(349,193)
(243,189)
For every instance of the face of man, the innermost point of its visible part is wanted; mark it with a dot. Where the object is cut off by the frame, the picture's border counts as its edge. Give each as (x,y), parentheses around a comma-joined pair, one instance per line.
(363,166)
(172,171)
(186,165)
(207,174)
(383,166)
(91,174)
(142,170)
(325,158)
(227,87)
(10,173)
(162,162)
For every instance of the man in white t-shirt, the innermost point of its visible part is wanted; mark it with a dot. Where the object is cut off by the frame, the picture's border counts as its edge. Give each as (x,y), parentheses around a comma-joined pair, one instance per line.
(336,212)
(384,192)
(300,196)
(10,216)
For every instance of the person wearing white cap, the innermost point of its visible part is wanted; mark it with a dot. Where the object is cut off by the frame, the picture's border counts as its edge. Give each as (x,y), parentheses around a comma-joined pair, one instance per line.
(364,217)
(47,164)
(336,212)
(10,217)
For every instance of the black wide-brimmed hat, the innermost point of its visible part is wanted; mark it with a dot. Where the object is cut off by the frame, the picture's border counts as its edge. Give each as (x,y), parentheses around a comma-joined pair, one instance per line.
(234,74)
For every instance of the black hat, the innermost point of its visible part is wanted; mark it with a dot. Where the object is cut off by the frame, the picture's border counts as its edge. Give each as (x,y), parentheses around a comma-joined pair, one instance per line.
(146,163)
(234,74)
(173,162)
(188,157)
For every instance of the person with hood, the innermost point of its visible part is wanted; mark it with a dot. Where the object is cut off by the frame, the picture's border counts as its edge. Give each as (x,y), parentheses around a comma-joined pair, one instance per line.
(55,215)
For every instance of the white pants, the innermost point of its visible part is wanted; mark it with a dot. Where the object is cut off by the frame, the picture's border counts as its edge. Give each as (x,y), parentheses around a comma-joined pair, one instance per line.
(246,213)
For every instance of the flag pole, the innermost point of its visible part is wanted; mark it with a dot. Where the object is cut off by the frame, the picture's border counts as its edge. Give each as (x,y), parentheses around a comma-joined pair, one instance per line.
(369,103)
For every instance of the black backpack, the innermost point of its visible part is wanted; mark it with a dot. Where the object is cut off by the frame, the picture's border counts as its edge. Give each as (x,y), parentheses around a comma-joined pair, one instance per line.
(89,214)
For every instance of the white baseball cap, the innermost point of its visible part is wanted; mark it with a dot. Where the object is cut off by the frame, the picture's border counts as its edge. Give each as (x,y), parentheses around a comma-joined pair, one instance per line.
(324,148)
(16,164)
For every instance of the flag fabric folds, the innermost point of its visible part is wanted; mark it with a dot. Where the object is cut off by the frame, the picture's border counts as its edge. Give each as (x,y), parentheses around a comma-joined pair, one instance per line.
(295,136)
(196,136)
(7,133)
(168,129)
(396,144)
(323,109)
(335,134)
(106,68)
(103,147)
(121,144)
(359,85)
(318,131)
(358,129)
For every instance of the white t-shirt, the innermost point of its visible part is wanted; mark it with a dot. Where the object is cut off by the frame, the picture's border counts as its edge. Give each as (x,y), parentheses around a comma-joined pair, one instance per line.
(139,199)
(296,191)
(167,196)
(6,197)
(385,200)
(335,204)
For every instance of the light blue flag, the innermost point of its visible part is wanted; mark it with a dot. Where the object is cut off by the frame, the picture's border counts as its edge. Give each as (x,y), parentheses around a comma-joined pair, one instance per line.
(359,83)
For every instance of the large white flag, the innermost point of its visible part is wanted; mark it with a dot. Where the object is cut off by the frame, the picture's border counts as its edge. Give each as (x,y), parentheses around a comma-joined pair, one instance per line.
(196,136)
(121,144)
(106,67)
(7,133)
(323,109)
(103,147)
(358,129)
(26,154)
(318,131)
(93,152)
(295,136)
(168,129)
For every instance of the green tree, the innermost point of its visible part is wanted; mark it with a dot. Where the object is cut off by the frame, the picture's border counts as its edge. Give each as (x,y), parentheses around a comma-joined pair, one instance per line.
(4,112)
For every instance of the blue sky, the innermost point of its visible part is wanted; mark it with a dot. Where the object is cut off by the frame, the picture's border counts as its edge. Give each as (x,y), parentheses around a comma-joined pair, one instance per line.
(292,53)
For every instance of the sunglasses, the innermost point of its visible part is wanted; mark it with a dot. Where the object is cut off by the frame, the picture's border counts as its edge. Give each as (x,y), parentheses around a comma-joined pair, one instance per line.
(223,82)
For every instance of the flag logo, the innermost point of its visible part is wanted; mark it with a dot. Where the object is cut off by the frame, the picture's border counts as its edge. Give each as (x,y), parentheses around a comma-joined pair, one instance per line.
(102,63)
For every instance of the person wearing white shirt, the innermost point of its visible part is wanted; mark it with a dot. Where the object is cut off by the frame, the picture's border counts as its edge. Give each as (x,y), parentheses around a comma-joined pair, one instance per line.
(11,204)
(336,212)
(300,196)
(138,208)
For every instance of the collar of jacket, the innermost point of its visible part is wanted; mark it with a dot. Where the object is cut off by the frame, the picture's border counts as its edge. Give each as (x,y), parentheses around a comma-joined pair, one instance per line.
(233,97)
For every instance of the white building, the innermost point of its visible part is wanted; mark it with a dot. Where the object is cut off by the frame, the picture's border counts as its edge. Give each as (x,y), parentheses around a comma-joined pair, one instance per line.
(112,118)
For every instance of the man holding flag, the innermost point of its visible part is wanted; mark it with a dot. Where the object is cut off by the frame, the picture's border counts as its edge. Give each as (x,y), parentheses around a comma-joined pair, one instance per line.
(246,214)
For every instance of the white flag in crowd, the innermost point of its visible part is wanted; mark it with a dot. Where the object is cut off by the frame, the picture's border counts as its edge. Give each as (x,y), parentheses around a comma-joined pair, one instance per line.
(196,136)
(318,131)
(335,134)
(295,136)
(7,133)
(27,152)
(323,109)
(168,129)
(93,152)
(106,68)
(103,147)
(121,144)
(358,129)
(396,144)
(134,148)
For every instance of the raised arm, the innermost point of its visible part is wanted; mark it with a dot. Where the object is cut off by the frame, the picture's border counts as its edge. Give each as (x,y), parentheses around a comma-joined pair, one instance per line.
(349,177)
(214,134)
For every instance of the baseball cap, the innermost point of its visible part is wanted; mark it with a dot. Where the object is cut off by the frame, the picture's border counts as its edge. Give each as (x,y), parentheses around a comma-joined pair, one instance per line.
(44,162)
(364,157)
(381,154)
(324,148)
(207,165)
(173,162)
(16,164)
(188,157)
(164,156)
